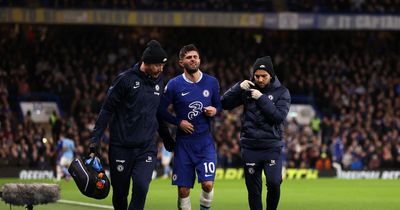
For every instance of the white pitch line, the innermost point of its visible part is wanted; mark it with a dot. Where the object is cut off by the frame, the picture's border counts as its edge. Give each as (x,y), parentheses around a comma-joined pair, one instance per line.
(85,204)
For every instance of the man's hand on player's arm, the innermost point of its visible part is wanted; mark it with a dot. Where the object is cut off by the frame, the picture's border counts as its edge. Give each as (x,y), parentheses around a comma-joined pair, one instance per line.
(210,111)
(186,126)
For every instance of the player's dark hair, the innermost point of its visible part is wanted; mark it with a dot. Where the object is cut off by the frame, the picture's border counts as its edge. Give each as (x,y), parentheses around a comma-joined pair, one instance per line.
(187,48)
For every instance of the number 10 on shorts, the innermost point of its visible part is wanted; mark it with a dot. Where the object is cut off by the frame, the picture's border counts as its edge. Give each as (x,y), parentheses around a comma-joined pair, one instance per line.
(209,167)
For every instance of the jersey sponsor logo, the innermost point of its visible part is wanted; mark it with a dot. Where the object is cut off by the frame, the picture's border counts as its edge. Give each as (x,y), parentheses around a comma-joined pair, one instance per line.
(262,66)
(208,175)
(250,164)
(196,107)
(183,94)
(120,161)
(206,93)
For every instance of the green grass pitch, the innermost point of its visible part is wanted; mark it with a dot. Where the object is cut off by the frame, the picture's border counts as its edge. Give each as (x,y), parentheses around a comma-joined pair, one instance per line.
(326,194)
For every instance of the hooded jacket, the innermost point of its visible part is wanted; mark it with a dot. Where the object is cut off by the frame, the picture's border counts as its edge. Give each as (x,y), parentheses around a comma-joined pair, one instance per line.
(263,119)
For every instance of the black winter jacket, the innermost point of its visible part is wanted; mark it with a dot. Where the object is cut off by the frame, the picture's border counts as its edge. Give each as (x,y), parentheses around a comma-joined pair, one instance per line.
(263,119)
(131,104)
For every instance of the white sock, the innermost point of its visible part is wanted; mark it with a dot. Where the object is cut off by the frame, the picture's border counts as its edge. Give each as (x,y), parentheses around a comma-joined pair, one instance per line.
(206,198)
(184,203)
(59,173)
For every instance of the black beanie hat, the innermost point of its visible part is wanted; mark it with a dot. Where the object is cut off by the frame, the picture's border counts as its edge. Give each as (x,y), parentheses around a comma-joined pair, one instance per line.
(264,63)
(154,53)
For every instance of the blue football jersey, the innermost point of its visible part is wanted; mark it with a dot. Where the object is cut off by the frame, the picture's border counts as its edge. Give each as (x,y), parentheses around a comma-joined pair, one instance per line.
(189,100)
(66,148)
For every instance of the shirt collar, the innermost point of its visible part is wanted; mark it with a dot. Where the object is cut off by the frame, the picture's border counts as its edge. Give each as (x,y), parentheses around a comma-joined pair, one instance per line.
(189,81)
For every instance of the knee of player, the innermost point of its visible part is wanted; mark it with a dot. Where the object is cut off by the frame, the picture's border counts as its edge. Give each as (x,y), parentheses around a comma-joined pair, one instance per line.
(207,186)
(183,192)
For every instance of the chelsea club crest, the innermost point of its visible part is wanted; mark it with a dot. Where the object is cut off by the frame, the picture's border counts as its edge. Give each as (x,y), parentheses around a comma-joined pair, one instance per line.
(206,93)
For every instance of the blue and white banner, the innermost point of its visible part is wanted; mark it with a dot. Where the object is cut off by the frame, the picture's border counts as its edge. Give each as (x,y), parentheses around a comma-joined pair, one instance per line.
(276,21)
(299,21)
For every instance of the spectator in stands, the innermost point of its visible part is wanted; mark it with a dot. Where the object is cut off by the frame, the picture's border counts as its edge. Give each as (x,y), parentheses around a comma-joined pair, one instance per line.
(332,6)
(363,79)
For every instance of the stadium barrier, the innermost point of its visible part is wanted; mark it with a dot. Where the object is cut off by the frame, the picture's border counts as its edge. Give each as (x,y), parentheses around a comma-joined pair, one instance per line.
(17,172)
(232,174)
(228,174)
(364,174)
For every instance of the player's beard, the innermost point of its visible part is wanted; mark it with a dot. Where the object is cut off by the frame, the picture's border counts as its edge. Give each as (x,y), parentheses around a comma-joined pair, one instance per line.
(191,69)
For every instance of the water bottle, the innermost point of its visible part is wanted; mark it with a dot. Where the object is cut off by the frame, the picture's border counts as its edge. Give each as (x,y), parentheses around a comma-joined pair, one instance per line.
(96,164)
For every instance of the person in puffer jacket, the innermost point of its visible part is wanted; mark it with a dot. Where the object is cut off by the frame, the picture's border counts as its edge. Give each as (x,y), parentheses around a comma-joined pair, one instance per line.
(266,104)
(130,110)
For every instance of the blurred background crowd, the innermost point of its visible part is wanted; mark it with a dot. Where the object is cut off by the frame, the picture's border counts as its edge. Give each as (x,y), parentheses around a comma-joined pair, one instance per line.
(330,6)
(351,78)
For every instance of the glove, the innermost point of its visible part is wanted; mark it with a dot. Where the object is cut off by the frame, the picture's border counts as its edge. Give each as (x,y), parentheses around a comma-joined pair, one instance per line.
(169,144)
(245,85)
(255,94)
(94,148)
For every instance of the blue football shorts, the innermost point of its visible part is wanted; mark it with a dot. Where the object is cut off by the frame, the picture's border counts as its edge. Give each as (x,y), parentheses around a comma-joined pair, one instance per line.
(194,156)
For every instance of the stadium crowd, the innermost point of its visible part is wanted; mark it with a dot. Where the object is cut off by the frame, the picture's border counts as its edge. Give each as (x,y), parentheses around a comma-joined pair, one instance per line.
(330,6)
(351,78)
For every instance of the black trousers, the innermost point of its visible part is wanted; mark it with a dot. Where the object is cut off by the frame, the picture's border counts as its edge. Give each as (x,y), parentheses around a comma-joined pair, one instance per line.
(126,164)
(255,161)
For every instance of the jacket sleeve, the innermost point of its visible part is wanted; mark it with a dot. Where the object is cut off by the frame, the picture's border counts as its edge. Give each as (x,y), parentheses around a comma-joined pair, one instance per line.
(163,132)
(166,100)
(114,96)
(232,98)
(216,100)
(278,111)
